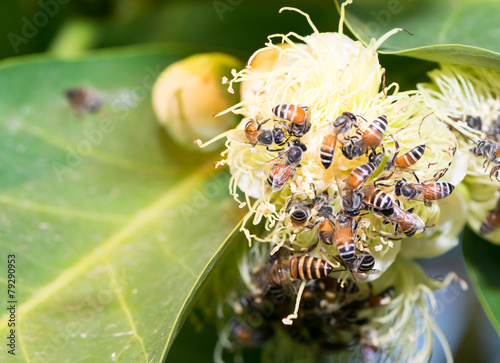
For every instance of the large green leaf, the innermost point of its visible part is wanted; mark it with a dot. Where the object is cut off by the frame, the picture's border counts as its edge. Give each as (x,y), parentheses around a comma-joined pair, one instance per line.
(482,262)
(113,227)
(453,31)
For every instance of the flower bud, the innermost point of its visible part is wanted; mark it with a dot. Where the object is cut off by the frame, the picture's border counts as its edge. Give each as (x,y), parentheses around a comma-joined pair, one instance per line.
(188,94)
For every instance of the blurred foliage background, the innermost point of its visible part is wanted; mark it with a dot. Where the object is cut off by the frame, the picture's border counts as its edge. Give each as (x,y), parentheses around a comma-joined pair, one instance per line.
(237,27)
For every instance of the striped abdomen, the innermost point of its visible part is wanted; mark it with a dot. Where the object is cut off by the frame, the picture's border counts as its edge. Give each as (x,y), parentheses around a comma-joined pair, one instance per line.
(328,150)
(309,268)
(375,132)
(293,113)
(367,263)
(411,157)
(491,222)
(436,191)
(325,232)
(358,176)
(378,199)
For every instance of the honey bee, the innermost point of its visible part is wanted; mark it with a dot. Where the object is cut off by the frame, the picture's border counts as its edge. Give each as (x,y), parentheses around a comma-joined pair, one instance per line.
(299,212)
(256,135)
(298,118)
(281,168)
(492,220)
(246,336)
(345,236)
(428,192)
(341,125)
(377,198)
(370,139)
(84,100)
(474,122)
(286,269)
(352,202)
(407,221)
(358,177)
(326,227)
(491,151)
(381,299)
(362,266)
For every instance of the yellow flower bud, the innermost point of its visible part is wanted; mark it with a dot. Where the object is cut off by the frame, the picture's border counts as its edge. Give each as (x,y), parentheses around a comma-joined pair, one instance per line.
(188,94)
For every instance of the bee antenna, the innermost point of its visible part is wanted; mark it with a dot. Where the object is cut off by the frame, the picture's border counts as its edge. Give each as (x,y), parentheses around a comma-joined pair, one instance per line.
(361,117)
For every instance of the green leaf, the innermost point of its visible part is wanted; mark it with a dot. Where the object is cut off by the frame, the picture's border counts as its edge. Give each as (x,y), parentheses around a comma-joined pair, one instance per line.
(113,228)
(459,32)
(482,262)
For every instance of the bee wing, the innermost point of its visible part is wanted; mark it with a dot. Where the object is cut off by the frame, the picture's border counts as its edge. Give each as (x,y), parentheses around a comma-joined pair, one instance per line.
(281,175)
(241,136)
(363,276)
(268,166)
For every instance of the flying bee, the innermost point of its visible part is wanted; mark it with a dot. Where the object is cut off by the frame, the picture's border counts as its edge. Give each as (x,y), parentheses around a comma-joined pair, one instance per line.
(281,168)
(407,221)
(428,192)
(254,134)
(362,266)
(492,220)
(341,125)
(84,100)
(299,211)
(378,199)
(491,151)
(345,236)
(370,139)
(298,118)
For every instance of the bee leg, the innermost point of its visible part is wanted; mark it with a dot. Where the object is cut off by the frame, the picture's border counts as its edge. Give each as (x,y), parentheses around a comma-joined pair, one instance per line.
(410,210)
(310,248)
(416,177)
(495,172)
(382,178)
(310,227)
(427,203)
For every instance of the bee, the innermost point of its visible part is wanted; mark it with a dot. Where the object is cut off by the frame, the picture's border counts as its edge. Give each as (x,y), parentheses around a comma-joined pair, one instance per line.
(377,198)
(491,151)
(345,236)
(370,139)
(352,202)
(474,122)
(381,299)
(84,100)
(492,220)
(326,227)
(341,125)
(362,266)
(358,177)
(429,192)
(246,336)
(286,269)
(407,221)
(299,212)
(297,116)
(256,135)
(281,168)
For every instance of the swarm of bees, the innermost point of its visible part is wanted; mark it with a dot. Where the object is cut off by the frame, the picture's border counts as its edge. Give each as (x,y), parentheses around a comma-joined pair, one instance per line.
(365,190)
(333,315)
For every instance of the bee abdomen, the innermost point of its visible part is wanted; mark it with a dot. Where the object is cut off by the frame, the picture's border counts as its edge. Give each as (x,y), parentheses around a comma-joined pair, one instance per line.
(411,157)
(325,231)
(347,252)
(440,190)
(309,268)
(367,263)
(328,150)
(359,175)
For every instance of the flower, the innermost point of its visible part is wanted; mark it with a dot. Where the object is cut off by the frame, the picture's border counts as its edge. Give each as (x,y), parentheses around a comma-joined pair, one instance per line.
(468,100)
(188,93)
(327,76)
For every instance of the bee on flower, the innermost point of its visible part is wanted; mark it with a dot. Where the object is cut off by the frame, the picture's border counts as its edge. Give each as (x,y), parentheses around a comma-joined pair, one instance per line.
(317,120)
(468,100)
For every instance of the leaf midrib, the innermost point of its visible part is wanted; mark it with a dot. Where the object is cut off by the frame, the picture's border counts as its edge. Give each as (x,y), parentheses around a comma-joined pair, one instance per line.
(140,219)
